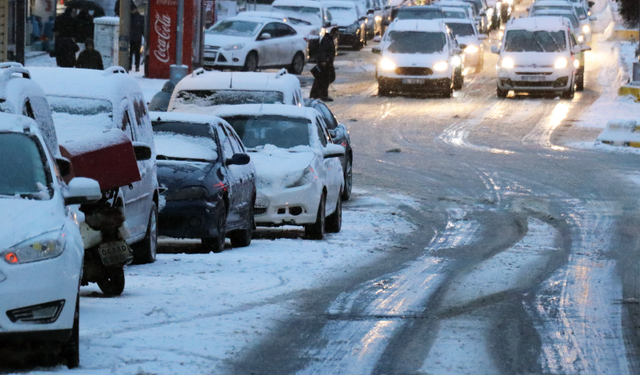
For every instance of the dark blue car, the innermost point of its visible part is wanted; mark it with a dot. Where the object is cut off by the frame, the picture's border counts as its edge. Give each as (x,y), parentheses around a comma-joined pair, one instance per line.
(209,185)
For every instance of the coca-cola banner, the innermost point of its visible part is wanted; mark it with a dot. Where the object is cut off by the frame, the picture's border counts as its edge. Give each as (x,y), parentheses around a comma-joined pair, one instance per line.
(163,18)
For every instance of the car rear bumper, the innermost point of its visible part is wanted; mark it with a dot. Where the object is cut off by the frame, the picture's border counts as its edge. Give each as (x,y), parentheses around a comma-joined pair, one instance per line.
(189,219)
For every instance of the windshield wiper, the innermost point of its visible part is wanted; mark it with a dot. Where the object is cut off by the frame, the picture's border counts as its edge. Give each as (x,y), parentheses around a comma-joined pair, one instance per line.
(164,157)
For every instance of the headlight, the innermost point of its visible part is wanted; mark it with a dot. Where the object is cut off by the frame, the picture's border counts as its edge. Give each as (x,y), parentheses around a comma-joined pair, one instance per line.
(576,63)
(440,66)
(353,28)
(471,49)
(191,192)
(586,29)
(378,18)
(580,38)
(561,63)
(386,64)
(455,61)
(305,178)
(507,63)
(234,47)
(45,246)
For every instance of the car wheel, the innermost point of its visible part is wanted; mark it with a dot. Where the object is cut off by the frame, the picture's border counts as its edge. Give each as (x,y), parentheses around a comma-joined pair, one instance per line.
(242,237)
(315,231)
(334,221)
(216,244)
(580,83)
(113,284)
(448,91)
(70,352)
(145,251)
(501,93)
(569,93)
(348,180)
(297,64)
(383,90)
(458,79)
(251,62)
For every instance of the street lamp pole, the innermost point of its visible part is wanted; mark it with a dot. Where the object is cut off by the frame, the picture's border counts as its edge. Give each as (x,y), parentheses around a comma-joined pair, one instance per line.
(178,71)
(125,30)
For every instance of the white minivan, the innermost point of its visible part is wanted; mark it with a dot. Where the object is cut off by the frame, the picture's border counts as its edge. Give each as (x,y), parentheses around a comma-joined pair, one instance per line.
(90,101)
(538,54)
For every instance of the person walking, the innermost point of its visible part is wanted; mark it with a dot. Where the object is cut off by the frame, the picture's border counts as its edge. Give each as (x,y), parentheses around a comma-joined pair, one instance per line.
(65,30)
(84,24)
(160,101)
(325,72)
(90,58)
(135,36)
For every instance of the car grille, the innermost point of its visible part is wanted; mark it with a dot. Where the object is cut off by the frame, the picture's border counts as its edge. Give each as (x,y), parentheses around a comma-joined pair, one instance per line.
(411,71)
(259,210)
(533,84)
(534,73)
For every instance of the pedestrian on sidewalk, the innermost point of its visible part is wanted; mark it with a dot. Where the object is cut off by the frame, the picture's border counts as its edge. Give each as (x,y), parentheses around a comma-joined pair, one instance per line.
(90,58)
(160,101)
(324,71)
(65,29)
(135,36)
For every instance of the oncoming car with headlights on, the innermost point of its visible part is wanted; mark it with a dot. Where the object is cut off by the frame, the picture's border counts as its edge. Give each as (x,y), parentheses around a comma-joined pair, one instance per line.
(420,56)
(538,54)
(470,41)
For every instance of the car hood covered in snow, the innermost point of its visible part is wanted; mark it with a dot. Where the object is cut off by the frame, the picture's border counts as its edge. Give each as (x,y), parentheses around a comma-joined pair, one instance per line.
(221,41)
(27,218)
(528,59)
(277,168)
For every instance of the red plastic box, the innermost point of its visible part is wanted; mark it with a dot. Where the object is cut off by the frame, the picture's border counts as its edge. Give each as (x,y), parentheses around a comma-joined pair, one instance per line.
(106,157)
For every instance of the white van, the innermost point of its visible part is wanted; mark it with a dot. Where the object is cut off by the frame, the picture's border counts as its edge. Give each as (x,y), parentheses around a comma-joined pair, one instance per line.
(85,101)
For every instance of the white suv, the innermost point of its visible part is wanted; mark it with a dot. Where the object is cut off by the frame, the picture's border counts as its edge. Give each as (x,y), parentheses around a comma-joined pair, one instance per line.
(201,90)
(538,54)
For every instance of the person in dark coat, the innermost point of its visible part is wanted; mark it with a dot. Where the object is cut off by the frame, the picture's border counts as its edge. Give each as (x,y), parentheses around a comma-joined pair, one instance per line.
(65,48)
(325,73)
(84,23)
(160,101)
(90,58)
(116,8)
(135,36)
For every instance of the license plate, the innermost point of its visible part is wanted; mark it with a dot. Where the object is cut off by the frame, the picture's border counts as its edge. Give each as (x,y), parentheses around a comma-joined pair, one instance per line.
(533,78)
(211,54)
(413,81)
(114,252)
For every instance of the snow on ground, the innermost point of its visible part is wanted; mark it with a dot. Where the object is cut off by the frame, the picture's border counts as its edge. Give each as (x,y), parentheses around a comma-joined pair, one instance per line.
(188,313)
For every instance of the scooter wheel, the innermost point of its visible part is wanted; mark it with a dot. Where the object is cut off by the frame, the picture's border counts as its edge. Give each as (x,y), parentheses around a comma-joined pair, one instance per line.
(113,284)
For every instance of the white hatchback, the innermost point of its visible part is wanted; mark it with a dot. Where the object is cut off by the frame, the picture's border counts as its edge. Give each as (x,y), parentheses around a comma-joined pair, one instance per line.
(41,248)
(243,43)
(417,55)
(299,177)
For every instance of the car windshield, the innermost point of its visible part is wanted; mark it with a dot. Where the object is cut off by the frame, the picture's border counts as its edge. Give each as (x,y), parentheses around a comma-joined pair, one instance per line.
(22,168)
(581,12)
(454,14)
(466,7)
(570,16)
(347,13)
(79,106)
(461,29)
(300,9)
(535,41)
(419,14)
(176,140)
(415,42)
(208,98)
(235,28)
(280,131)
(73,115)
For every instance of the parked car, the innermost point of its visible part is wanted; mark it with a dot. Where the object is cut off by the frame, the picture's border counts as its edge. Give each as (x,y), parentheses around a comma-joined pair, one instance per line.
(350,22)
(238,43)
(210,185)
(425,12)
(456,13)
(201,90)
(85,101)
(313,12)
(470,41)
(302,26)
(538,54)
(419,56)
(339,136)
(468,8)
(40,246)
(299,176)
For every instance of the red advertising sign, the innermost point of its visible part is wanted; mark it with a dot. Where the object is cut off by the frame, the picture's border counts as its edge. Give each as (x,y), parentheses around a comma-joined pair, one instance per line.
(163,17)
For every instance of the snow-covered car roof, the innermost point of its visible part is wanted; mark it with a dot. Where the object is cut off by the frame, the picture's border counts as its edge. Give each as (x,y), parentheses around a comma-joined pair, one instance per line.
(551,2)
(261,14)
(460,20)
(538,23)
(299,3)
(418,25)
(338,3)
(17,124)
(114,82)
(450,3)
(203,80)
(183,116)
(266,109)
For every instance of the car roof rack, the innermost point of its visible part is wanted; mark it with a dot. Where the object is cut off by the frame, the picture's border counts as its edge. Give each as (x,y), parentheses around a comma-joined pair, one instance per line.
(114,70)
(281,73)
(13,69)
(198,72)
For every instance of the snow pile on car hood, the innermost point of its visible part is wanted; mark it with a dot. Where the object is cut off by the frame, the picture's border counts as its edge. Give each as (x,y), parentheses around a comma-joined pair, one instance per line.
(277,168)
(26,218)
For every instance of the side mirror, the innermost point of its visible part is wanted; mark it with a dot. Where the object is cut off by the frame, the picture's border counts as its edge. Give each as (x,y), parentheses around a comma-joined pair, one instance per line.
(370,11)
(495,49)
(82,190)
(576,49)
(482,37)
(238,159)
(142,151)
(363,19)
(591,3)
(376,50)
(333,151)
(482,13)
(457,51)
(265,36)
(64,166)
(462,46)
(584,47)
(327,25)
(332,133)
(593,18)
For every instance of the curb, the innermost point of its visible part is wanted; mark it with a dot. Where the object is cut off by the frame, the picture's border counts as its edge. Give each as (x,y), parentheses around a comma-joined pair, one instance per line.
(621,132)
(630,89)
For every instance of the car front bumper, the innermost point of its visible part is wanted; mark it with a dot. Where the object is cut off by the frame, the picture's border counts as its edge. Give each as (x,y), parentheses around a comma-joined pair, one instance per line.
(221,59)
(535,79)
(189,219)
(293,206)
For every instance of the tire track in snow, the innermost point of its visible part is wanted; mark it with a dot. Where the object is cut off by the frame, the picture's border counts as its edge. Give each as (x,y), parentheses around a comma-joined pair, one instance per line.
(355,337)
